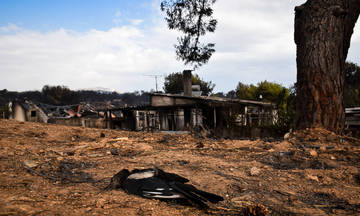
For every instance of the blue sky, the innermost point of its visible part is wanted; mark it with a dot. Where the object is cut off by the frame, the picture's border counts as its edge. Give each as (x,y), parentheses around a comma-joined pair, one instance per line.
(79,15)
(114,44)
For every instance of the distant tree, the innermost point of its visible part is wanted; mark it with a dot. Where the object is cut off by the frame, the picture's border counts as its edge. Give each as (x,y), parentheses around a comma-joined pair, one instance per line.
(352,85)
(174,84)
(194,19)
(218,94)
(246,92)
(286,110)
(231,94)
(30,95)
(7,96)
(265,91)
(58,95)
(283,98)
(61,95)
(272,92)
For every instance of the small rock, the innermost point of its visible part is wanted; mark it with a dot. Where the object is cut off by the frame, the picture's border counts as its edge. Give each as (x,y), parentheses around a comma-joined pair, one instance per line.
(313,153)
(254,171)
(31,164)
(311,177)
(122,138)
(59,158)
(63,192)
(323,148)
(95,155)
(332,158)
(114,151)
(100,203)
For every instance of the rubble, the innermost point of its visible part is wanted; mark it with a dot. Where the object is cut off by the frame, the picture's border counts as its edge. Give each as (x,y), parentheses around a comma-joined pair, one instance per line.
(50,169)
(30,163)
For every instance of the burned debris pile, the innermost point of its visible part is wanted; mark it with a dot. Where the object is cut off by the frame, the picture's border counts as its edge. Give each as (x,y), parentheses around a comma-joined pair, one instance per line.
(55,168)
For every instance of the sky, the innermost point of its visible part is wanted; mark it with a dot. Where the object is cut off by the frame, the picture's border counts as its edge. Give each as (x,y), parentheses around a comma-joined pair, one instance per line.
(121,44)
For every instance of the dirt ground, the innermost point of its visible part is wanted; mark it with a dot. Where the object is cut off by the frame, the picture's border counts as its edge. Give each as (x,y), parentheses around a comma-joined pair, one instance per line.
(59,170)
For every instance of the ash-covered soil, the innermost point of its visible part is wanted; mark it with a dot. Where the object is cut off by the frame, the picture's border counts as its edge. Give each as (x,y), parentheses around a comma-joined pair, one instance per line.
(59,170)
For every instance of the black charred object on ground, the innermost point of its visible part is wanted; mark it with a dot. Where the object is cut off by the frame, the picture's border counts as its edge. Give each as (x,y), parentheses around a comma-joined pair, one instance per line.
(155,183)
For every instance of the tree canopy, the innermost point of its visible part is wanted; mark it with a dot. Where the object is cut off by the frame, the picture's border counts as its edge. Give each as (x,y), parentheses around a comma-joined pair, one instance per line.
(283,98)
(174,84)
(58,95)
(194,19)
(265,91)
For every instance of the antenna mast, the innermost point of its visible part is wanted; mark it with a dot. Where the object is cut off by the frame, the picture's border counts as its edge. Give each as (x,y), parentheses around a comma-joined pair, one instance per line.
(156,77)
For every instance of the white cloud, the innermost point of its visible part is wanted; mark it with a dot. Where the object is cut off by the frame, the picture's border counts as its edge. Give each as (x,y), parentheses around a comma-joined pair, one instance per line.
(116,58)
(354,51)
(254,42)
(136,21)
(10,28)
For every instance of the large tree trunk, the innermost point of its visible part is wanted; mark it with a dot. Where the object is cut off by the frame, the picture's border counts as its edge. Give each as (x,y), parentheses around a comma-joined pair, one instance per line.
(323,30)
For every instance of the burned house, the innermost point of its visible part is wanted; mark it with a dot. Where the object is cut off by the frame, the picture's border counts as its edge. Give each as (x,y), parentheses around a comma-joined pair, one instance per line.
(168,112)
(26,111)
(352,120)
(188,111)
(352,117)
(73,115)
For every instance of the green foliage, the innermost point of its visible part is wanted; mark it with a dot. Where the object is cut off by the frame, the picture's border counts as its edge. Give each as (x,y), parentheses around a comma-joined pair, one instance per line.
(194,19)
(58,95)
(286,111)
(282,97)
(174,84)
(264,91)
(273,92)
(246,92)
(352,85)
(218,94)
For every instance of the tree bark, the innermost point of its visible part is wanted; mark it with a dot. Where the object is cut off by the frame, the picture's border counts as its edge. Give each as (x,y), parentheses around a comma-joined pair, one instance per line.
(323,30)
